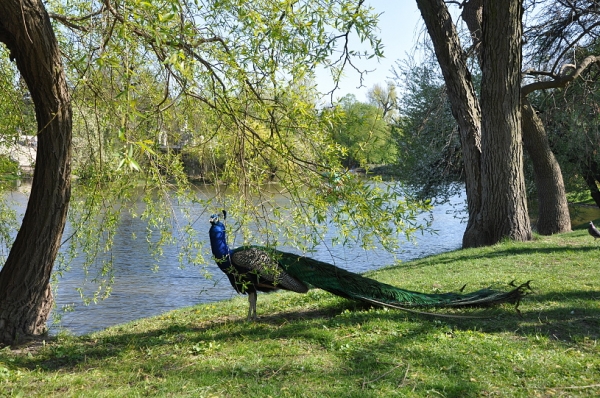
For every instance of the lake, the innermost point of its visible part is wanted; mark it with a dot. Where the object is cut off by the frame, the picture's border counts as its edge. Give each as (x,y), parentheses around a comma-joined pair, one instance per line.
(139,291)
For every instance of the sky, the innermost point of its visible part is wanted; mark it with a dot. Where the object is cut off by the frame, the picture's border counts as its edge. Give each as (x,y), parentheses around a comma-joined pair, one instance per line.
(398,29)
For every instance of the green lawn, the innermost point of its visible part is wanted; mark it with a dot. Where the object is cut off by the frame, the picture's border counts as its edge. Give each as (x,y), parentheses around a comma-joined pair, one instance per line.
(317,345)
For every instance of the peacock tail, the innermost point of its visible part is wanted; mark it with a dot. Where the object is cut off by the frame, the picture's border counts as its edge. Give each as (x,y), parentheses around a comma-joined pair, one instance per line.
(353,286)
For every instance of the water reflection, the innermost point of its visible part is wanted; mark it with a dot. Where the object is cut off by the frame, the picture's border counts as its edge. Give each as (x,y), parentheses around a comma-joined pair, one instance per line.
(139,291)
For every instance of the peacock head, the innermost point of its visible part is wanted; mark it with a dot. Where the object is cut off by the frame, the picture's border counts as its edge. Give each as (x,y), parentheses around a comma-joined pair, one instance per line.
(218,237)
(215,217)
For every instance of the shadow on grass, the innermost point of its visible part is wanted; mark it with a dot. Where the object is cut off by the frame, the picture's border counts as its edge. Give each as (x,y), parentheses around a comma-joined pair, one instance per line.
(568,324)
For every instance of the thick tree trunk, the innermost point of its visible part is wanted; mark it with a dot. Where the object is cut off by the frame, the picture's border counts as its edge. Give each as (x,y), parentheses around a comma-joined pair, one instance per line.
(554,214)
(464,104)
(25,296)
(504,205)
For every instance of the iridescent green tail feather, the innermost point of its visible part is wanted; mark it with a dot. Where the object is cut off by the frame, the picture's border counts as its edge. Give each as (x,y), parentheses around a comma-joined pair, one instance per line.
(357,287)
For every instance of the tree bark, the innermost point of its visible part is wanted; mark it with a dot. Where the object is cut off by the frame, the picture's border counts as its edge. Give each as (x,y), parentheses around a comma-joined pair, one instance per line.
(553,208)
(464,104)
(504,206)
(25,295)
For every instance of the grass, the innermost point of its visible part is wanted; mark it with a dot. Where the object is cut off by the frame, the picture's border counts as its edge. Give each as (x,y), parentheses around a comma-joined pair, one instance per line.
(317,345)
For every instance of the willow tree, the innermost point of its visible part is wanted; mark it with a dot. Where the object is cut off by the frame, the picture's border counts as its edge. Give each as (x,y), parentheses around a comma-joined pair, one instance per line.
(490,127)
(557,35)
(553,211)
(563,52)
(25,294)
(138,68)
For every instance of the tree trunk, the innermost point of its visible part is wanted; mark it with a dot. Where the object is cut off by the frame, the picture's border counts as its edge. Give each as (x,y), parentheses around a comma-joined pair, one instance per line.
(554,214)
(25,295)
(553,209)
(464,104)
(504,206)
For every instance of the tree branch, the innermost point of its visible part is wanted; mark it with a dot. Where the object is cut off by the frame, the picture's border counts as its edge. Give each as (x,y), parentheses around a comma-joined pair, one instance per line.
(188,47)
(558,80)
(70,21)
(344,57)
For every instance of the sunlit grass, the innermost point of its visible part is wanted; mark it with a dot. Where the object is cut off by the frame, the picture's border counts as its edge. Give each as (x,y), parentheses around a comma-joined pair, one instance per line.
(320,345)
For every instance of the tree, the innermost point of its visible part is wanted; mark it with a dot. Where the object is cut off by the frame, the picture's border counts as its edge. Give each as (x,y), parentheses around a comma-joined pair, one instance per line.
(563,43)
(553,211)
(570,115)
(25,294)
(554,36)
(385,98)
(363,133)
(485,173)
(550,37)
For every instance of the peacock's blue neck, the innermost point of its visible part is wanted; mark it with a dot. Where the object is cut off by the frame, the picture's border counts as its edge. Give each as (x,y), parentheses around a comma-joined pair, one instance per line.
(218,240)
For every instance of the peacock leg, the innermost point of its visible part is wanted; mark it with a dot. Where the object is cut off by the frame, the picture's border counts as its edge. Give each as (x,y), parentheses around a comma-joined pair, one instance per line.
(252,306)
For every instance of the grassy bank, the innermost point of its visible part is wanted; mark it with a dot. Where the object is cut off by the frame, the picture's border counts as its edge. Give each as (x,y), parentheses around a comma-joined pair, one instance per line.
(317,345)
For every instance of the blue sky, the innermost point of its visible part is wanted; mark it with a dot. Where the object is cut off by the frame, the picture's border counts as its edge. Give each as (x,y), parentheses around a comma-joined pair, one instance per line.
(399,29)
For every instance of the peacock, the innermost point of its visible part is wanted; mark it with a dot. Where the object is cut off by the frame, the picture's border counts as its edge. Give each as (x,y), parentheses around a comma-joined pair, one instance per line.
(251,269)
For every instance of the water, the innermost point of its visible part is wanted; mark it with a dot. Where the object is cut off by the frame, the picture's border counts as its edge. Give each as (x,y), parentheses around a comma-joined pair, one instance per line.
(139,292)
